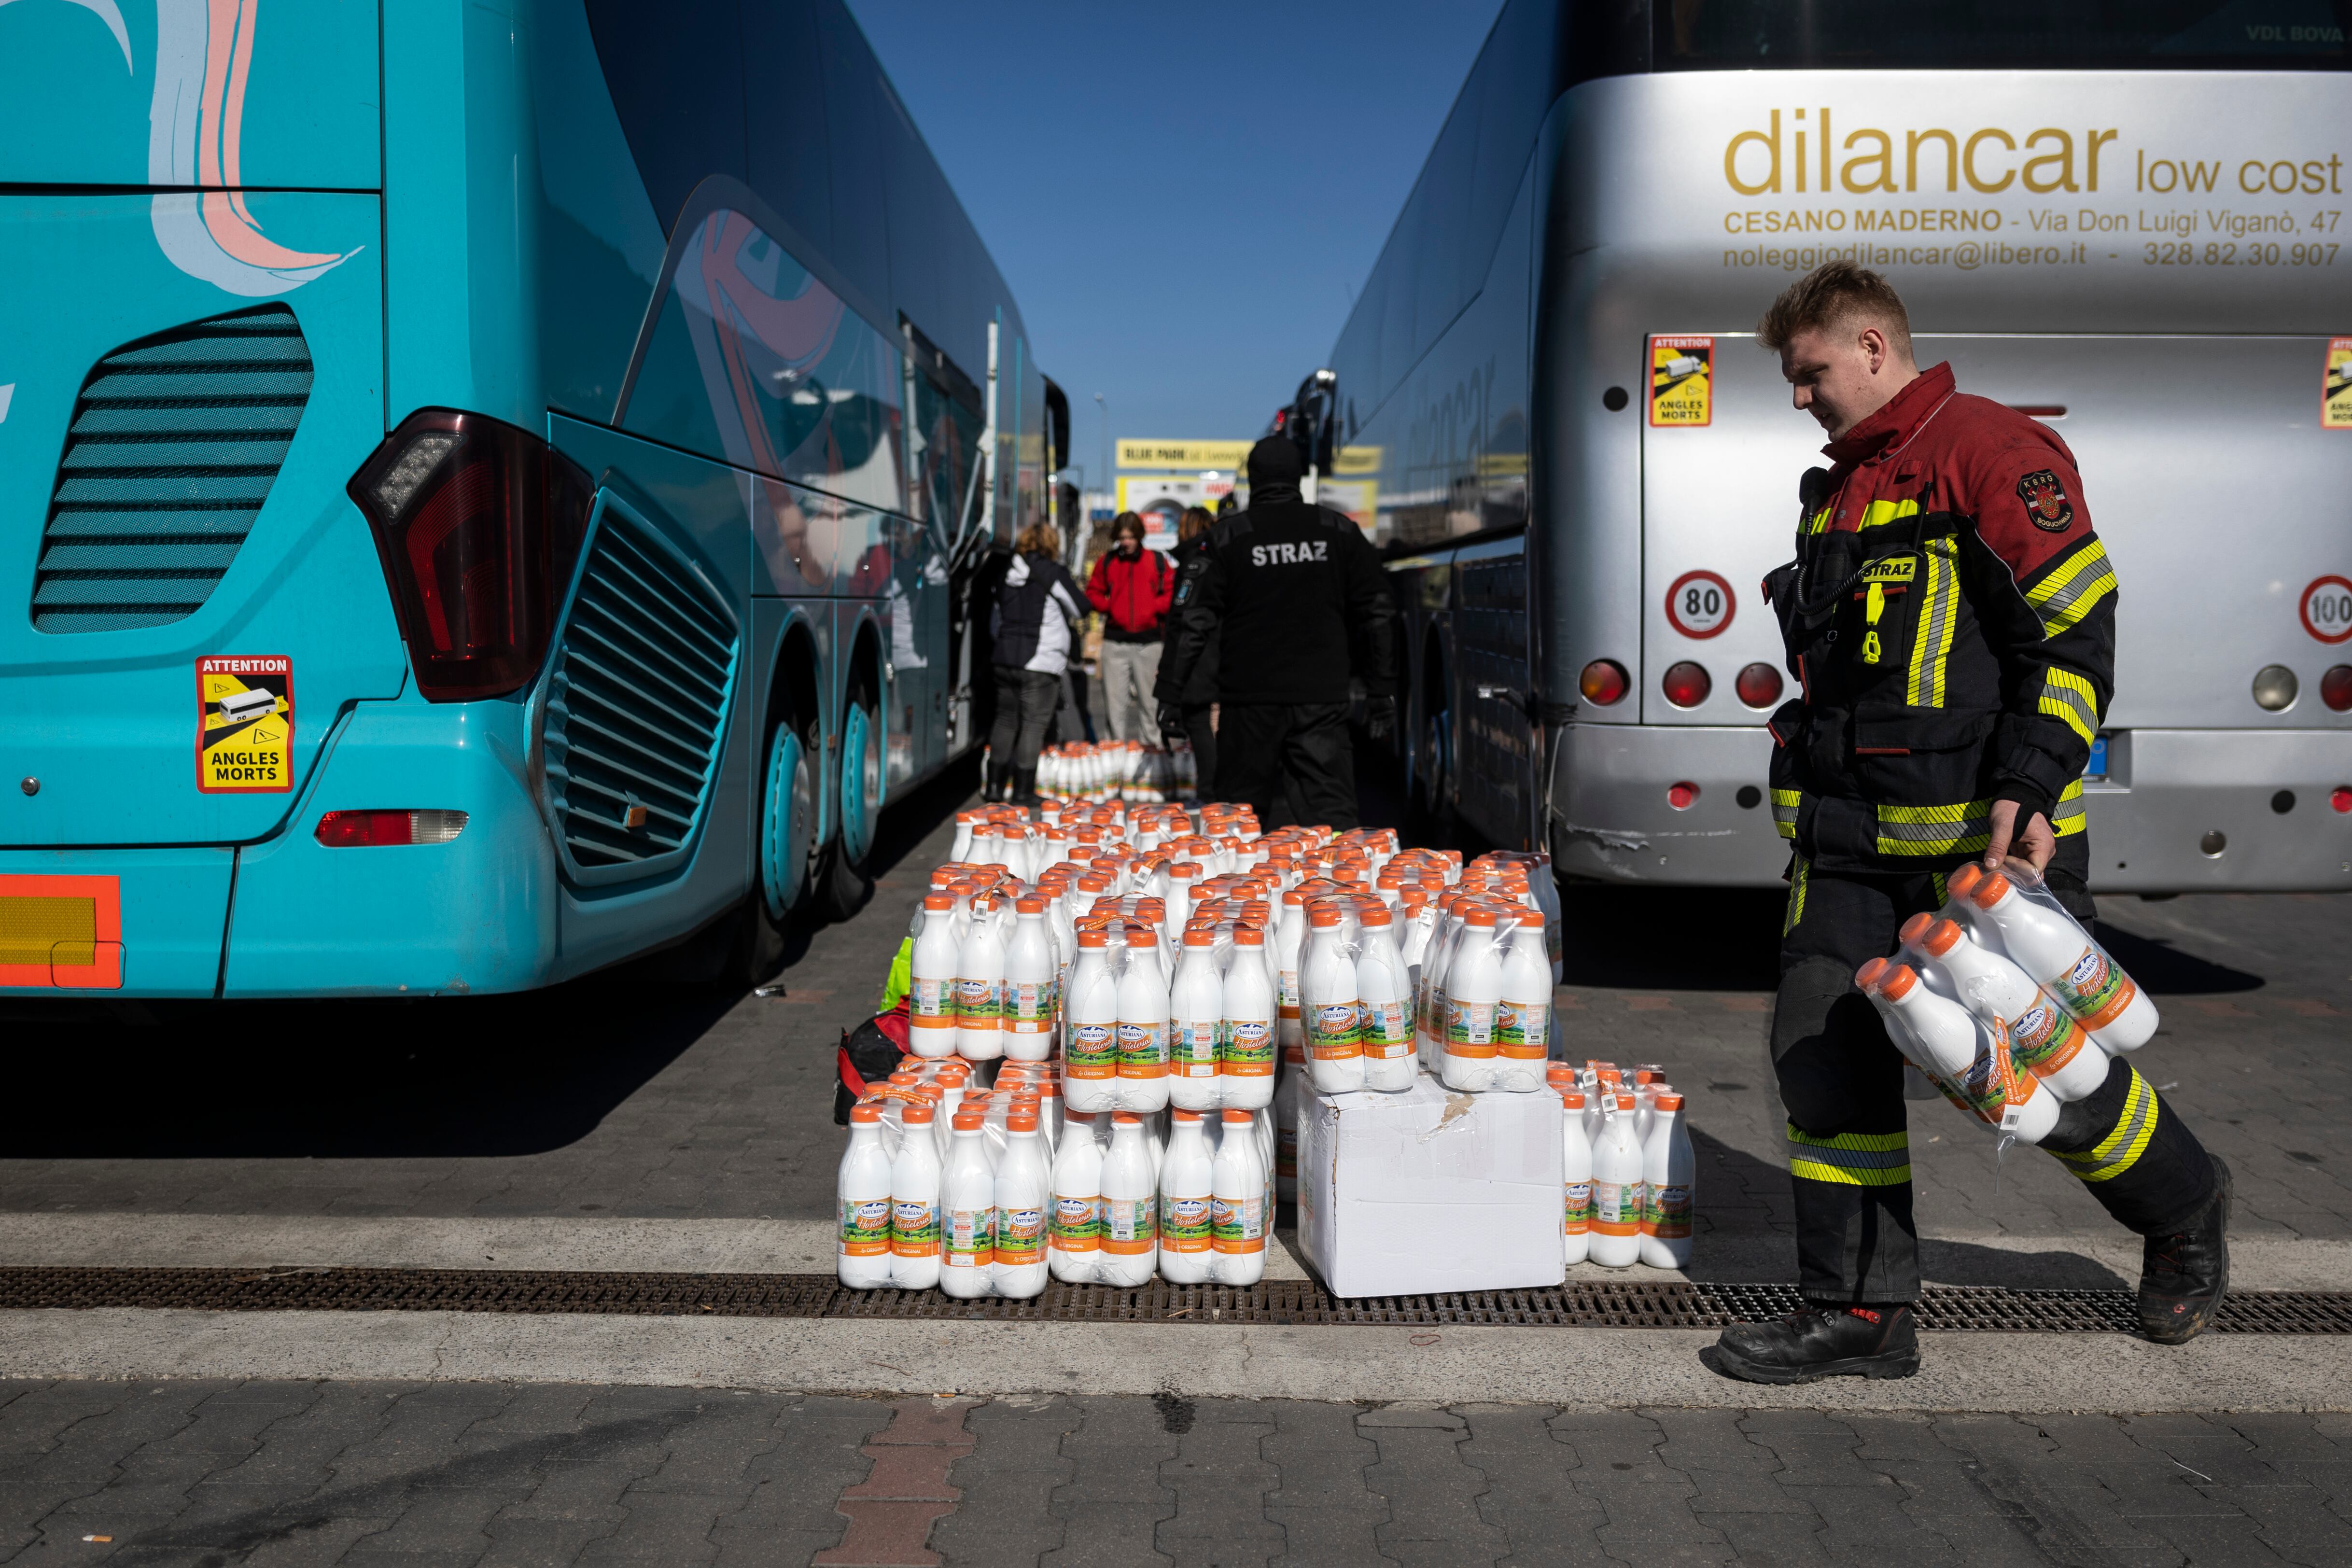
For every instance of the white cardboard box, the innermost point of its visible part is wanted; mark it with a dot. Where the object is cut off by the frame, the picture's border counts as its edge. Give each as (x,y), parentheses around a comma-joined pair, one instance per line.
(1429,1189)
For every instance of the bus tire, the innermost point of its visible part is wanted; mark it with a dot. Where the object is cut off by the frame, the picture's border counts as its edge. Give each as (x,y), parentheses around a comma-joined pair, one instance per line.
(848,883)
(787,824)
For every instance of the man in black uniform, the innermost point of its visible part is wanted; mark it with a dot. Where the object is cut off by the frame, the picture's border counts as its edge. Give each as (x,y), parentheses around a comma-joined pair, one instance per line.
(1293,601)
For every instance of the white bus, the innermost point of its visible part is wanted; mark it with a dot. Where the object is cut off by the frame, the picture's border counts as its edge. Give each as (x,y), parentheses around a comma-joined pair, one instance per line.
(1550,406)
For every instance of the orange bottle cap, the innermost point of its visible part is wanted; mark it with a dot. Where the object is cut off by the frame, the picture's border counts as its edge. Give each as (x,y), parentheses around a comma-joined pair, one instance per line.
(1991,890)
(1963,883)
(1941,937)
(1023,1120)
(967,1120)
(1670,1102)
(1898,981)
(864,1115)
(1870,973)
(918,1113)
(1126,1119)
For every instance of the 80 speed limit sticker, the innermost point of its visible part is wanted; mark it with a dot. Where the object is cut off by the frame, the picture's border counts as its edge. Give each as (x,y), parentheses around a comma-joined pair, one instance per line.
(1700,604)
(2327,609)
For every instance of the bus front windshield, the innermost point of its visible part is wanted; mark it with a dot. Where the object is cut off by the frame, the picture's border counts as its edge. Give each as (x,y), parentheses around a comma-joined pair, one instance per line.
(2048,34)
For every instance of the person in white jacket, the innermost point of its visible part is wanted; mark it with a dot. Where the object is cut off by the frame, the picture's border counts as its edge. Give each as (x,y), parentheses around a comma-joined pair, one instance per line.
(1034,622)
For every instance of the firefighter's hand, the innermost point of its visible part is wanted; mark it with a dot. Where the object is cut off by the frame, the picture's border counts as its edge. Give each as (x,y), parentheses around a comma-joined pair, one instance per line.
(1171,722)
(2034,844)
(1380,717)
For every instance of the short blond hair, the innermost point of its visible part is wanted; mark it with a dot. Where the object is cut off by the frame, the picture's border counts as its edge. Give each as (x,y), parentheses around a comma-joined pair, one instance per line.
(1038,537)
(1831,295)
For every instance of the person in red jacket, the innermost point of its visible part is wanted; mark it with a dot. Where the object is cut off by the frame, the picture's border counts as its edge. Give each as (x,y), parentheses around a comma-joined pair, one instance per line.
(1130,585)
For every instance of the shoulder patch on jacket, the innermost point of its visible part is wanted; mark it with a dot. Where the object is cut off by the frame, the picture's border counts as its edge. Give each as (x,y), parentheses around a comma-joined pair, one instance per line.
(2046,501)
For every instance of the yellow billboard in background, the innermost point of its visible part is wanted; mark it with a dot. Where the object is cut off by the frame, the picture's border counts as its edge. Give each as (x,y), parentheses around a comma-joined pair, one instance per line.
(1183,454)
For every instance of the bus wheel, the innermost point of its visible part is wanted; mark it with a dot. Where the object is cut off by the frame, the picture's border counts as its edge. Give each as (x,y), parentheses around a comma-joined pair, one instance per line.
(788,824)
(1433,792)
(847,885)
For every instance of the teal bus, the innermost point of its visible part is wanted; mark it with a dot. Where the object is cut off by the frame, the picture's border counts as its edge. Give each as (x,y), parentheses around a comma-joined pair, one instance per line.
(493,490)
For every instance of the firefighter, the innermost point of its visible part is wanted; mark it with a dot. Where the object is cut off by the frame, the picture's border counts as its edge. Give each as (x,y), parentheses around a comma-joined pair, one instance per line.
(1290,601)
(1950,621)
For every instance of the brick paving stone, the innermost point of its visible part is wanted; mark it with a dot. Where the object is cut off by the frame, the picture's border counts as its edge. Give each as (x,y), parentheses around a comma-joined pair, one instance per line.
(2065,1508)
(1434,1517)
(1329,1516)
(788,1513)
(1112,1506)
(1008,1482)
(1528,1497)
(1646,1499)
(1221,1479)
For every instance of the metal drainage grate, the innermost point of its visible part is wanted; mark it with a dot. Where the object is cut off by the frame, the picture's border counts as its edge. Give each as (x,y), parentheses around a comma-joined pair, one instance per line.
(1591,1304)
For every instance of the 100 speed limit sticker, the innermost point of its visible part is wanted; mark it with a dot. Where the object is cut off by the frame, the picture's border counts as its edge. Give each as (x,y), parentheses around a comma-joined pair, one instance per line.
(2327,609)
(1699,605)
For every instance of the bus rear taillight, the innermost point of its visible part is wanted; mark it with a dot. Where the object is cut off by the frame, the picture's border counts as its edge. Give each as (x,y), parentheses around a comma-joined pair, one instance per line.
(2336,688)
(1602,682)
(478,525)
(1686,684)
(374,829)
(1758,685)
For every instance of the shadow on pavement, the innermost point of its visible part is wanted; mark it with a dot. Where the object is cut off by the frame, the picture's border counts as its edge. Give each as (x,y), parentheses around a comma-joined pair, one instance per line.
(2165,970)
(432,1078)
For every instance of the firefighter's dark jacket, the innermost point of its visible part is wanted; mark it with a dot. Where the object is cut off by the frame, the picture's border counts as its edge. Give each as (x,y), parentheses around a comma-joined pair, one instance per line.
(1950,622)
(1293,600)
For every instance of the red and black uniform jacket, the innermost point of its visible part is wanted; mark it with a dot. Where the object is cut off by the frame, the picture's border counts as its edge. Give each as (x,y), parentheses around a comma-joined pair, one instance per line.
(1950,621)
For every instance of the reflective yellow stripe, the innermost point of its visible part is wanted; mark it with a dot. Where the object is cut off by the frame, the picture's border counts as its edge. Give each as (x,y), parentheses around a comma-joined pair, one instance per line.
(1784,812)
(1851,1158)
(1940,616)
(1964,829)
(2068,815)
(1879,513)
(1934,829)
(2070,590)
(1942,895)
(2066,695)
(2118,1151)
(1796,898)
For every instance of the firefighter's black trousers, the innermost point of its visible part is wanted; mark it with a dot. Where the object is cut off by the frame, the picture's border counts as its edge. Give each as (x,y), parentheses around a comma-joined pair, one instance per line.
(1842,1082)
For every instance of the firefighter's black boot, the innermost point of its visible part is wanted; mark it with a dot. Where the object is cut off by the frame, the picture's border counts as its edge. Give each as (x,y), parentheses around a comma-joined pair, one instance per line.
(1823,1342)
(1024,787)
(2184,1274)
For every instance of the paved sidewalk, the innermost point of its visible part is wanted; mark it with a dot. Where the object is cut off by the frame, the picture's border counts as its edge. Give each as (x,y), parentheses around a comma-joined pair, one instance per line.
(381,1474)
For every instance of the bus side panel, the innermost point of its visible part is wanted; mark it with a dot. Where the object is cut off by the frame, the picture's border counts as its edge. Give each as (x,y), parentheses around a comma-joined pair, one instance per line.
(701,507)
(149,924)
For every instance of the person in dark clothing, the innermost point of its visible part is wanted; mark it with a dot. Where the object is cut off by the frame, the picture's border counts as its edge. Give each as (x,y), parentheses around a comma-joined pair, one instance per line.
(1035,621)
(1293,601)
(1198,700)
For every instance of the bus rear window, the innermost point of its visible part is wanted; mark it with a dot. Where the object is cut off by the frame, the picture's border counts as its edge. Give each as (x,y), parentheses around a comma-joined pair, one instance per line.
(2047,35)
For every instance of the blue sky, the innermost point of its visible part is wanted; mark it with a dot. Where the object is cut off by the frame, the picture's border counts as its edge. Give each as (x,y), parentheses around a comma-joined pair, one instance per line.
(1182,198)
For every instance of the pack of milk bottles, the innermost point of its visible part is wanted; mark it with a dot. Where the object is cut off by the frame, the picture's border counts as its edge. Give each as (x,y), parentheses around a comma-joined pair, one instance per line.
(2005,1003)
(1120,1011)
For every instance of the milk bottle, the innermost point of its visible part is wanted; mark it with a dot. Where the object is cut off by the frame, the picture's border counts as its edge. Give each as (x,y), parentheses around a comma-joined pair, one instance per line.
(1617,1180)
(1024,1200)
(1473,991)
(1075,1247)
(1576,1176)
(1246,1048)
(1289,937)
(2043,1038)
(980,989)
(1523,1017)
(1290,1089)
(1131,1235)
(1329,1005)
(2051,948)
(914,1204)
(1196,1005)
(1239,1215)
(1669,1193)
(967,1213)
(1984,1075)
(931,998)
(1384,991)
(1029,984)
(861,1191)
(1141,1082)
(1184,1202)
(1090,1050)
